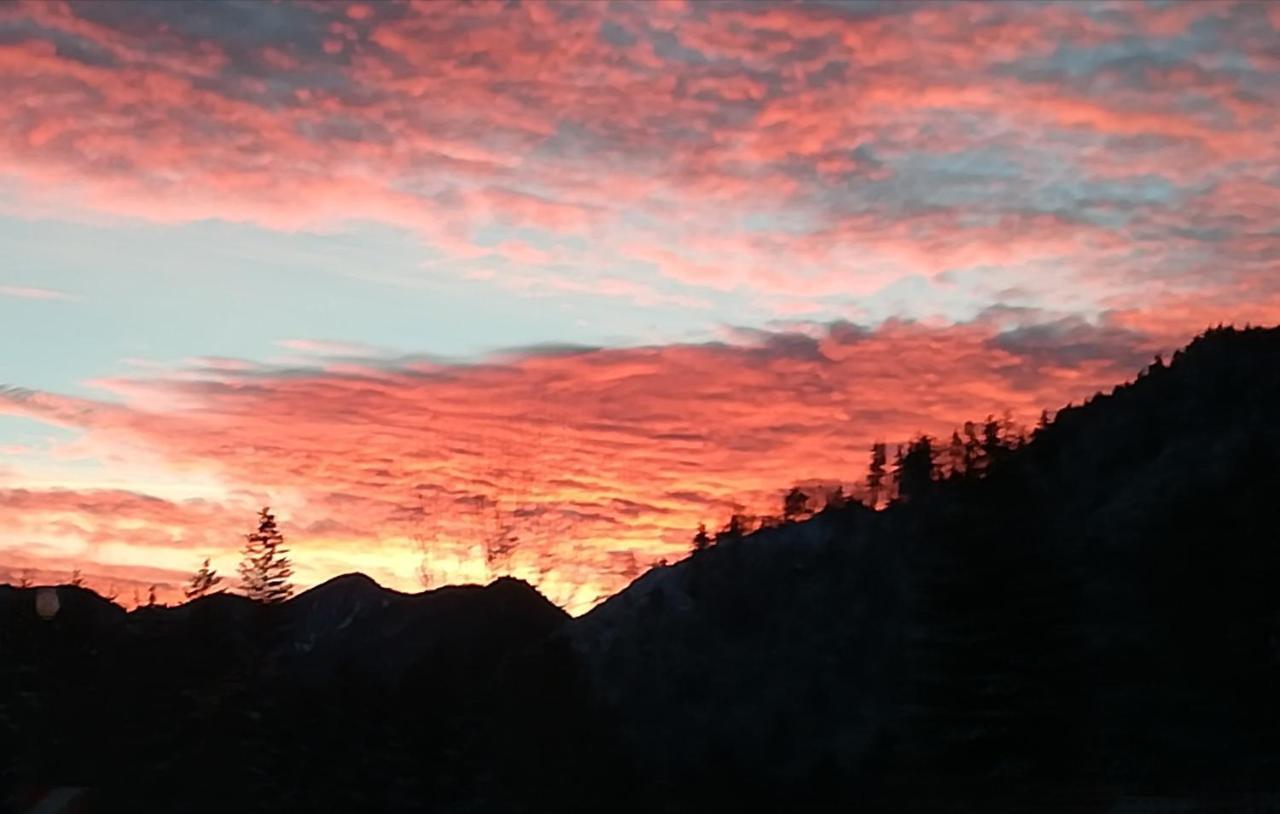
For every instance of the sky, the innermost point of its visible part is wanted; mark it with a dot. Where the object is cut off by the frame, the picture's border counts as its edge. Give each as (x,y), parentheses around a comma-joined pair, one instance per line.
(589,272)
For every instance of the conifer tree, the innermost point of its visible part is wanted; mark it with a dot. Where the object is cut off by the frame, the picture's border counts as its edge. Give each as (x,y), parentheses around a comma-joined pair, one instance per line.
(957,458)
(973,460)
(1044,422)
(202,581)
(701,540)
(893,483)
(795,504)
(992,438)
(739,525)
(876,473)
(836,499)
(916,471)
(265,568)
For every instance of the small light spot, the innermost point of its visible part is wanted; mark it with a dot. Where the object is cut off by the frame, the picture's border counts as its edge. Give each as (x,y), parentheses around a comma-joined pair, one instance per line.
(47,603)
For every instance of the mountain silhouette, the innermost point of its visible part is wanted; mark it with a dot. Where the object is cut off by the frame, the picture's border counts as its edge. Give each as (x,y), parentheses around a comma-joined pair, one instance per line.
(1087,622)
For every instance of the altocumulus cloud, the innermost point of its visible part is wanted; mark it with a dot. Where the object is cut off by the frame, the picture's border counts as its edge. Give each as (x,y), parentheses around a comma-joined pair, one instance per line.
(801,152)
(602,458)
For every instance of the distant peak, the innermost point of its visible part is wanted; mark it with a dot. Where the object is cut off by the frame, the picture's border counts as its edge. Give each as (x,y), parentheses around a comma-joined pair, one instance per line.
(514,585)
(508,588)
(355,583)
(511,581)
(354,578)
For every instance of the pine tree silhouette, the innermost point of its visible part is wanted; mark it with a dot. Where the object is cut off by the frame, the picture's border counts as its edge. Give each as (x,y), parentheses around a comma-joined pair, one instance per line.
(1044,422)
(837,499)
(916,472)
(739,525)
(957,459)
(202,581)
(795,505)
(876,473)
(702,540)
(265,569)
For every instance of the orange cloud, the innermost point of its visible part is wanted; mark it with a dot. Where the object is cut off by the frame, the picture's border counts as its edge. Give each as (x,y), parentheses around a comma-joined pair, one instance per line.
(599,460)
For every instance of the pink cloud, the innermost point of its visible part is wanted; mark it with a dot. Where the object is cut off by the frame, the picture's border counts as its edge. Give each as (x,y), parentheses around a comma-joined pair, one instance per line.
(591,454)
(32,293)
(570,121)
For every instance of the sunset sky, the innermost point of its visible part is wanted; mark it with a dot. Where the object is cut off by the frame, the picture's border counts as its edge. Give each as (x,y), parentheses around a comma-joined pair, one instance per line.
(615,267)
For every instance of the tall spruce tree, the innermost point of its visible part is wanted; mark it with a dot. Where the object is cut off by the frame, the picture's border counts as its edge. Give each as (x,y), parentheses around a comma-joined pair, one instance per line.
(265,568)
(957,459)
(876,473)
(916,472)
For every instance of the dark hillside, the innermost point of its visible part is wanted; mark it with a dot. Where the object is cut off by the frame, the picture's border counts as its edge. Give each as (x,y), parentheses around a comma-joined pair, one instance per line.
(1091,615)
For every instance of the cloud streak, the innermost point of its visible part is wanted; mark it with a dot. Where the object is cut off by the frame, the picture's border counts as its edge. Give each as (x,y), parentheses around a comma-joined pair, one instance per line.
(31,293)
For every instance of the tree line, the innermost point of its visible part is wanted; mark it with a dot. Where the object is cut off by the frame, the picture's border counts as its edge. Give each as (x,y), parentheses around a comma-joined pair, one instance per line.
(265,570)
(972,450)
